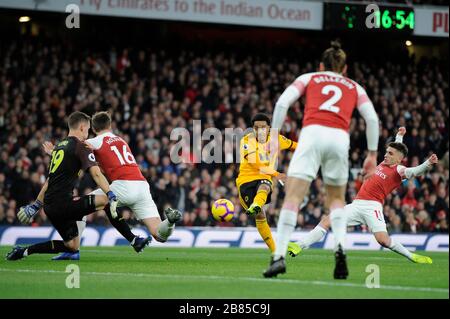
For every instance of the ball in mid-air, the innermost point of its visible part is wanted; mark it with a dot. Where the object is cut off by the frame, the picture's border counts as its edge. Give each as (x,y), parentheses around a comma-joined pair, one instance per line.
(222,210)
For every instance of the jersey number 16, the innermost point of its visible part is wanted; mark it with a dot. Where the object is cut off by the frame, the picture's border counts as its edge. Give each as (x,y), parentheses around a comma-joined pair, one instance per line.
(127,156)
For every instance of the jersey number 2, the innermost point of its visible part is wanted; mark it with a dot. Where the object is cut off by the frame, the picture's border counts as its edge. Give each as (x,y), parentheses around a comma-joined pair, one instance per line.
(128,157)
(328,105)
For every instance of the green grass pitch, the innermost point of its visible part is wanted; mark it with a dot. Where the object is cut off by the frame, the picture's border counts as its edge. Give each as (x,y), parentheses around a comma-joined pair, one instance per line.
(118,272)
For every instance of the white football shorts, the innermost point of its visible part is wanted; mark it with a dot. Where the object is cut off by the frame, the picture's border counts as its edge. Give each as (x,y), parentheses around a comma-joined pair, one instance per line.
(135,195)
(366,212)
(325,147)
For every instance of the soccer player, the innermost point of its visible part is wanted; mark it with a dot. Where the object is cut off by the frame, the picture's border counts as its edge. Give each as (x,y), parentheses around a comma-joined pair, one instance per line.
(132,189)
(324,142)
(254,181)
(69,158)
(367,208)
(27,213)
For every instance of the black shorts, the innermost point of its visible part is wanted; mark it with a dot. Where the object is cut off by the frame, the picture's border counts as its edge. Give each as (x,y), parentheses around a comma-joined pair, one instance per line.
(64,214)
(247,192)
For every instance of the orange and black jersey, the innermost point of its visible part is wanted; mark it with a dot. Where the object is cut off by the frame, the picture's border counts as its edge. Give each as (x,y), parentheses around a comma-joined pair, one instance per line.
(255,159)
(69,158)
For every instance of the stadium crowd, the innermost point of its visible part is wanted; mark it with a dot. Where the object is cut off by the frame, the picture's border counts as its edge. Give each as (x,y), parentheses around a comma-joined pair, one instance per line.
(151,92)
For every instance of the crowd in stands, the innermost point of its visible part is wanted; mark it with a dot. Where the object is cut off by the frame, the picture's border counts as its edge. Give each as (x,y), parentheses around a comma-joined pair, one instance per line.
(151,92)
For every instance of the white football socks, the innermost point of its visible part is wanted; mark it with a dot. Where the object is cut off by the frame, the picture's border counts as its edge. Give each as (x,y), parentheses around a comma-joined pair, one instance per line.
(165,229)
(400,249)
(81,224)
(312,237)
(339,226)
(285,226)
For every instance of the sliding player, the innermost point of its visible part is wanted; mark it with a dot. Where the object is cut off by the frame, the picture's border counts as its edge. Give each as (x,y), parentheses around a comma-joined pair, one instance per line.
(132,189)
(367,208)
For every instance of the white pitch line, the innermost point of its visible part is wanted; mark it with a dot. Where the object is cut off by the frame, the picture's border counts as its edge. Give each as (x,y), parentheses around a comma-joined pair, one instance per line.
(224,278)
(110,251)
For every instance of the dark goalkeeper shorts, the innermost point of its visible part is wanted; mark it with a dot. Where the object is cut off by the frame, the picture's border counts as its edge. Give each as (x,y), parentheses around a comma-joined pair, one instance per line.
(247,192)
(64,214)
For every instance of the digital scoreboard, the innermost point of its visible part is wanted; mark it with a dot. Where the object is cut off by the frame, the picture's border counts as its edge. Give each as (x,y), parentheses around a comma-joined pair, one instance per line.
(369,17)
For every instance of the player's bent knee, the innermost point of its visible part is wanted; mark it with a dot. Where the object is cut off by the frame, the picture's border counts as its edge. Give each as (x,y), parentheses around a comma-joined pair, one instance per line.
(101,200)
(261,215)
(383,239)
(263,187)
(384,243)
(152,224)
(325,222)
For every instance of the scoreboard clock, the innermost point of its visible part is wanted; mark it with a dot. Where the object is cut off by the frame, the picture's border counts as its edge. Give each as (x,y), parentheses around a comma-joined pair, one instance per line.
(382,18)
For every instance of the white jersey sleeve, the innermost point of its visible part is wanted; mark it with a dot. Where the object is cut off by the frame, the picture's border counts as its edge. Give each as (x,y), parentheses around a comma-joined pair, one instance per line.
(292,93)
(408,172)
(96,142)
(367,111)
(302,82)
(399,138)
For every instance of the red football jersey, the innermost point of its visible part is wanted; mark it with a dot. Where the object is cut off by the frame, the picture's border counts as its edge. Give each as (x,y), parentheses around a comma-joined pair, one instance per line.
(115,158)
(385,179)
(330,98)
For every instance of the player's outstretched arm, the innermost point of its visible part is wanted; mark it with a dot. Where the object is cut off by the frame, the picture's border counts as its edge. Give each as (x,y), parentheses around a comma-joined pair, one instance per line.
(102,182)
(408,172)
(41,194)
(400,133)
(27,213)
(367,111)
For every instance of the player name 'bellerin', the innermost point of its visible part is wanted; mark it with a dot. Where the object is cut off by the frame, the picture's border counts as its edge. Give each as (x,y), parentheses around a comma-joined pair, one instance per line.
(337,79)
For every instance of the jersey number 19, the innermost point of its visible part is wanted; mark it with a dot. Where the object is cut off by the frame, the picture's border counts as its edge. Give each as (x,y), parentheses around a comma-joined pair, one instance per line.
(57,158)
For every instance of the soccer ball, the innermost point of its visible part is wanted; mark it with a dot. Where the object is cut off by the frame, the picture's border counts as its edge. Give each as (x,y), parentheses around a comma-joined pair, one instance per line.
(222,210)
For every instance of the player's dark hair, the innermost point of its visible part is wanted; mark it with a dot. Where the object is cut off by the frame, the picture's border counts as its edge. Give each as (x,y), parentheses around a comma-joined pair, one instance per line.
(76,118)
(334,58)
(101,121)
(402,148)
(260,117)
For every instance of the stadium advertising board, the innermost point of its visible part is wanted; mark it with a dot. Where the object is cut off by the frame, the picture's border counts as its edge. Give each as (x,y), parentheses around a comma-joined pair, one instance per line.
(285,14)
(431,22)
(217,238)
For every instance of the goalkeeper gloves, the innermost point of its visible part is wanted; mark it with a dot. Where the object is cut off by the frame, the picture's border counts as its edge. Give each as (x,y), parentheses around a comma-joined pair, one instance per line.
(112,198)
(27,213)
